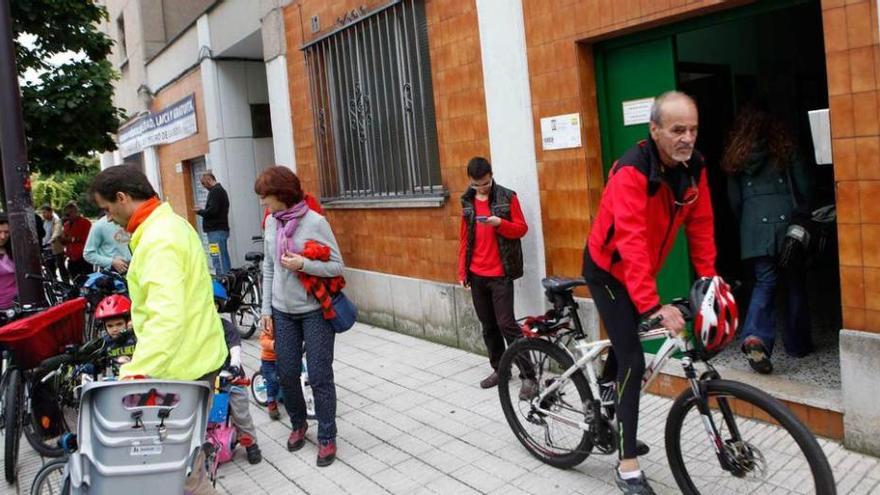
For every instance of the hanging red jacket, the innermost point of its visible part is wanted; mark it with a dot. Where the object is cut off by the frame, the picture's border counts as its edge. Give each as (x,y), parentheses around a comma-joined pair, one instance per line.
(639,217)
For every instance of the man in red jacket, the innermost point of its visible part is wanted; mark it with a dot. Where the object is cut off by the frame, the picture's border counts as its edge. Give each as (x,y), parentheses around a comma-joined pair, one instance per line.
(74,234)
(656,187)
(489,260)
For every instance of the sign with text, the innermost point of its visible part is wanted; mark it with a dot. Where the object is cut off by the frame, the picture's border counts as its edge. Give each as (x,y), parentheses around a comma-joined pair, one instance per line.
(561,132)
(168,125)
(637,112)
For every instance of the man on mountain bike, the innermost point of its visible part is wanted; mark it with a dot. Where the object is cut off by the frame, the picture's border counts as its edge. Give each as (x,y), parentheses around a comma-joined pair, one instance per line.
(654,188)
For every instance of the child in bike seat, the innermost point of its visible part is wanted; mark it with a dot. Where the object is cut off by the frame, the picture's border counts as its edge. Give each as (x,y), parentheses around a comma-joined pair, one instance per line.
(269,372)
(238,398)
(115,312)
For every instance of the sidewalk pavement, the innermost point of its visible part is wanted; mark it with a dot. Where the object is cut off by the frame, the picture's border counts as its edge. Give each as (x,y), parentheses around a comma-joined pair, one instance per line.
(412,419)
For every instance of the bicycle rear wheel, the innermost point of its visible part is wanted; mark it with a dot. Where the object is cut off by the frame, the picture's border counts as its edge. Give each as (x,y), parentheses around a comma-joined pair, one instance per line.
(553,439)
(44,426)
(13,399)
(258,389)
(776,453)
(247,317)
(50,479)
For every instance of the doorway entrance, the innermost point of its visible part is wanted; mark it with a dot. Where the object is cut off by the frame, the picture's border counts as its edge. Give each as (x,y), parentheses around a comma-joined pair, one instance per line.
(770,50)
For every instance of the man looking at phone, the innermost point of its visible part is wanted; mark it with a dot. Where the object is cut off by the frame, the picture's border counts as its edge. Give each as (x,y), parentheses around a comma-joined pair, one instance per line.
(489,260)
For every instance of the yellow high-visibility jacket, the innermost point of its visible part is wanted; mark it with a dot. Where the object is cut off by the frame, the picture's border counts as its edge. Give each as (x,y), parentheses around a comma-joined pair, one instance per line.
(179,334)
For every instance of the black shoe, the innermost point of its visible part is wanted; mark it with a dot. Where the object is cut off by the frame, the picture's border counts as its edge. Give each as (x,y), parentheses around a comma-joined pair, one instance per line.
(254,456)
(490,381)
(642,448)
(756,353)
(635,486)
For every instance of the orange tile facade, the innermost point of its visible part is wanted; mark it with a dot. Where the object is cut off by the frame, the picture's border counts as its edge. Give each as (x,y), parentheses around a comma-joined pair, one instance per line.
(176,186)
(421,243)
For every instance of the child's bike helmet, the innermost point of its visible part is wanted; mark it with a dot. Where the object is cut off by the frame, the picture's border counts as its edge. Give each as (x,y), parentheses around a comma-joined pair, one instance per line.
(114,305)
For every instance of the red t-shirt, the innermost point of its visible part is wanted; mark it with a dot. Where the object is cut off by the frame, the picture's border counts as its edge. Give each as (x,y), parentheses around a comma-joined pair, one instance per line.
(485,257)
(76,232)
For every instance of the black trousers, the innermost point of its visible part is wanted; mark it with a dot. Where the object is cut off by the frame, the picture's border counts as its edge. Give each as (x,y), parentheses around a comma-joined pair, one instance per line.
(626,360)
(493,302)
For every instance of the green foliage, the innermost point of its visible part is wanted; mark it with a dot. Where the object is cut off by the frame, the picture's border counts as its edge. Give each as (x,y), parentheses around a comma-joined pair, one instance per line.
(68,111)
(59,188)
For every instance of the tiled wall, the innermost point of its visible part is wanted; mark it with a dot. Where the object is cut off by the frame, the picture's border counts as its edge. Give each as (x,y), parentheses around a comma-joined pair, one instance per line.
(420,243)
(853,62)
(175,185)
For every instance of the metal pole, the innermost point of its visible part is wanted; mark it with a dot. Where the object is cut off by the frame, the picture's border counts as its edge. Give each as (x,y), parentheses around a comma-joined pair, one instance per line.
(16,173)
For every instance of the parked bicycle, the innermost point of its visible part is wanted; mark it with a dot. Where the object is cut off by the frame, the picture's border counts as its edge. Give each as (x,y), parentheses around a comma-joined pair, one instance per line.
(571,416)
(244,286)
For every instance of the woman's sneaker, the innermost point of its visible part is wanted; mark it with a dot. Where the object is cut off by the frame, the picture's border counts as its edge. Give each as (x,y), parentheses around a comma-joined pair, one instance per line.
(756,353)
(297,439)
(273,410)
(326,452)
(633,486)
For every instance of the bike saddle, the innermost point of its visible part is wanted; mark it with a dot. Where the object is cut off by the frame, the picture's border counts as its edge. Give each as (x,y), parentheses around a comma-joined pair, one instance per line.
(562,284)
(253,256)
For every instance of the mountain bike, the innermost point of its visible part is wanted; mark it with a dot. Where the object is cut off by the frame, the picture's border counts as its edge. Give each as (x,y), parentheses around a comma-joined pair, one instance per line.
(709,447)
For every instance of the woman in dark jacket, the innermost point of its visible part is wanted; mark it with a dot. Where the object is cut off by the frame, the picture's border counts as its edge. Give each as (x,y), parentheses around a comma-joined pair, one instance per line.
(761,159)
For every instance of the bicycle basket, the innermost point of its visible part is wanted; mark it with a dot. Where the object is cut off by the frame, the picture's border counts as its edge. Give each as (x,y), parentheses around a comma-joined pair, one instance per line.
(44,334)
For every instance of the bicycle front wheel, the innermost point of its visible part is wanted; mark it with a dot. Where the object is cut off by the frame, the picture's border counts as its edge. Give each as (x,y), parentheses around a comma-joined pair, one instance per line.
(776,453)
(258,389)
(12,405)
(50,479)
(549,428)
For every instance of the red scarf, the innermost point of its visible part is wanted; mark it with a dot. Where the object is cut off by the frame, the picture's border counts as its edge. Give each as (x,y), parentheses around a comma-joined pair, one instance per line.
(323,289)
(141,213)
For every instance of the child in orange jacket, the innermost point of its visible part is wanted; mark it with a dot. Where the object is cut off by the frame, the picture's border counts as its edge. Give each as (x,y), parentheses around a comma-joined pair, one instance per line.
(269,372)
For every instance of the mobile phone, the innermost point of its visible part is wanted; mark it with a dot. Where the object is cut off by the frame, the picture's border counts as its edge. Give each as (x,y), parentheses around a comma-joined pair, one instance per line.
(482,219)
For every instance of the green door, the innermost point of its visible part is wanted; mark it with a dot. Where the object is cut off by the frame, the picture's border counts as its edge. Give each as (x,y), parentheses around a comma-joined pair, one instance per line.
(624,73)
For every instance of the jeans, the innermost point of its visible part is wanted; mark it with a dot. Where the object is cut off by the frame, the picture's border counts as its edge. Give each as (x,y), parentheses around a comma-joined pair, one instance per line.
(761,318)
(290,332)
(270,376)
(493,303)
(220,238)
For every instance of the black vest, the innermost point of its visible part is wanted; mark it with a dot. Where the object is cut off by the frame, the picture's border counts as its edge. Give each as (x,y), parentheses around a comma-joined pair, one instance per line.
(509,249)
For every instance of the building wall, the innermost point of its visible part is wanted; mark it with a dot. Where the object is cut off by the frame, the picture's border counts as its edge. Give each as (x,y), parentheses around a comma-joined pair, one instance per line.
(175,185)
(419,243)
(132,73)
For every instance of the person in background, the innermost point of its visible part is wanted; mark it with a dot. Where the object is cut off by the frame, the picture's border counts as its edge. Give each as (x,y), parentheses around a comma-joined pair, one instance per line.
(75,232)
(52,246)
(292,313)
(8,288)
(489,260)
(313,202)
(107,245)
(765,178)
(215,219)
(269,371)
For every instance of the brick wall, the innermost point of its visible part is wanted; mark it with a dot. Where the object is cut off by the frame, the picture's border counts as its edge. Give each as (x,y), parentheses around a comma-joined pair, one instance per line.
(420,243)
(176,186)
(853,62)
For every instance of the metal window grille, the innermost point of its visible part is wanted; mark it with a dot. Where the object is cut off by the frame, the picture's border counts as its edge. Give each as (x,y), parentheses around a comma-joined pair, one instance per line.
(373,106)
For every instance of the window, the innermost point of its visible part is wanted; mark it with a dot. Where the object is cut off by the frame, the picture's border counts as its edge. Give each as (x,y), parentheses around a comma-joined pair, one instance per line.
(261,120)
(120,40)
(373,107)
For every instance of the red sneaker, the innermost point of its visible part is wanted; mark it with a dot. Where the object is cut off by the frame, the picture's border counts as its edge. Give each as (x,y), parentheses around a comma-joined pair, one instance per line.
(326,452)
(297,439)
(274,413)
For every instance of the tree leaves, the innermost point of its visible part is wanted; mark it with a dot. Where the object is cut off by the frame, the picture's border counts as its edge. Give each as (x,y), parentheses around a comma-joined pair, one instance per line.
(68,111)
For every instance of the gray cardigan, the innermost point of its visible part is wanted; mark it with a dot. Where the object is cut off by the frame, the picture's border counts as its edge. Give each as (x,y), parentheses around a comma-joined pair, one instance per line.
(282,288)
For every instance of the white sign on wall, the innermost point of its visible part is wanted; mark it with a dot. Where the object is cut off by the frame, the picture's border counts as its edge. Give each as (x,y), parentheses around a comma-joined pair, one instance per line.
(561,132)
(168,125)
(637,112)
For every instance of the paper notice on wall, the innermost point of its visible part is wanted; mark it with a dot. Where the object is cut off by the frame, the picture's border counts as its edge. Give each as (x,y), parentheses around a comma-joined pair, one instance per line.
(820,127)
(637,112)
(561,132)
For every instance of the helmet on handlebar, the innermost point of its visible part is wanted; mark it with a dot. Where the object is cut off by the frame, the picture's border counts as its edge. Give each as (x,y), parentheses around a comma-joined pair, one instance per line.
(113,306)
(220,294)
(715,313)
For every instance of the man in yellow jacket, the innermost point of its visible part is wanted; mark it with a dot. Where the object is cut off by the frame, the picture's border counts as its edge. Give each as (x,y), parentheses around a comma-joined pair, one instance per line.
(179,333)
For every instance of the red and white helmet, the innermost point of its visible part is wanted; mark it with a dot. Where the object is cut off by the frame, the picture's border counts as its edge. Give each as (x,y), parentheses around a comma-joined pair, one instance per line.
(716,316)
(113,306)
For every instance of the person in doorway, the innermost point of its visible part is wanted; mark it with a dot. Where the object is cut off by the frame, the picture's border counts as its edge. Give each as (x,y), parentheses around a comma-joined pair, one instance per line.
(107,245)
(765,180)
(75,232)
(52,246)
(489,260)
(291,313)
(215,219)
(654,188)
(8,287)
(179,333)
